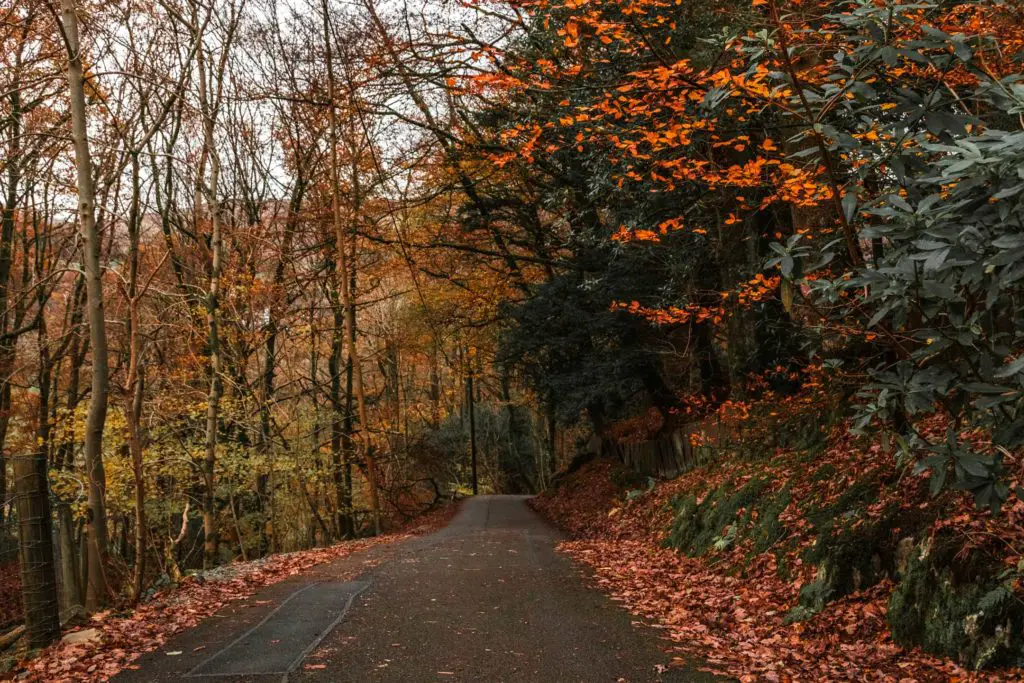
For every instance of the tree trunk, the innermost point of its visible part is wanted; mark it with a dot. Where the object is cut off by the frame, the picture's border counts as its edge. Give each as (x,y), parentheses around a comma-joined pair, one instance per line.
(38,577)
(212,321)
(171,547)
(714,381)
(435,385)
(96,525)
(13,180)
(72,551)
(70,571)
(314,509)
(38,573)
(340,436)
(347,428)
(270,346)
(134,385)
(341,273)
(133,411)
(5,407)
(238,526)
(212,410)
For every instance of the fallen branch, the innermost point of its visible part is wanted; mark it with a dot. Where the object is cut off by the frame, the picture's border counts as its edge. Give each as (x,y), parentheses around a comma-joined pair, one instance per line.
(11,637)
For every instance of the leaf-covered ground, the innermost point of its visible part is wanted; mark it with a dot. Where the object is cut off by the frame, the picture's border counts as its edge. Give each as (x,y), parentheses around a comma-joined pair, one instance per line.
(126,636)
(727,607)
(10,593)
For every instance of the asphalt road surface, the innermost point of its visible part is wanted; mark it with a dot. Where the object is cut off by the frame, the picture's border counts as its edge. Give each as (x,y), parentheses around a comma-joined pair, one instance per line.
(485,599)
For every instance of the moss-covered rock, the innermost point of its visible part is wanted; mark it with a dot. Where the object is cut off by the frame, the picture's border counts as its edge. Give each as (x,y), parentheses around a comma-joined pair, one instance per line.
(965,609)
(958,608)
(696,528)
(854,550)
(767,530)
(813,597)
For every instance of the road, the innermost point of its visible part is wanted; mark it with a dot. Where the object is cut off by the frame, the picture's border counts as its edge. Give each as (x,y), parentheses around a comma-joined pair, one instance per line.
(487,598)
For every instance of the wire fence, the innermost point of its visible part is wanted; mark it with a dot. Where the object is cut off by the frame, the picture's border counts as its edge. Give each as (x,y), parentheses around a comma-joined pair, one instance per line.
(35,550)
(11,609)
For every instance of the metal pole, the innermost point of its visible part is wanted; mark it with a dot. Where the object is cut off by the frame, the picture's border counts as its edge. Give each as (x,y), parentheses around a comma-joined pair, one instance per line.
(472,426)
